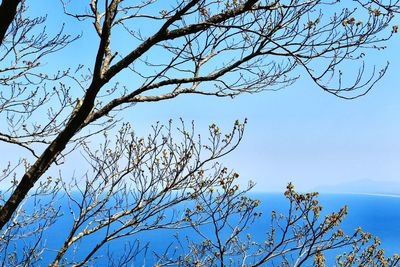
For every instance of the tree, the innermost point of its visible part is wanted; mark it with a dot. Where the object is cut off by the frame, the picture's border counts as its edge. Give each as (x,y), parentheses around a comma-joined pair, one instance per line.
(212,48)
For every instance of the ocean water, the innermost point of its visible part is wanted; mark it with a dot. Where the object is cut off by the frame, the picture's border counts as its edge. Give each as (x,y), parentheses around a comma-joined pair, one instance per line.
(379,215)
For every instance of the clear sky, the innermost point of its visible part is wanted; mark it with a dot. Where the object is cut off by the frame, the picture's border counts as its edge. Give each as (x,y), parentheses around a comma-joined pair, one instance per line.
(299,133)
(303,134)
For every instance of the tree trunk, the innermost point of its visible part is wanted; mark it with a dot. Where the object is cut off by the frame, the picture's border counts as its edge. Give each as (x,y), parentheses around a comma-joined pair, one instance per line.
(8,10)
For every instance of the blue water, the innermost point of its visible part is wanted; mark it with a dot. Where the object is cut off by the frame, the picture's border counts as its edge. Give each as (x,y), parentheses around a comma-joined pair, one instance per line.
(379,215)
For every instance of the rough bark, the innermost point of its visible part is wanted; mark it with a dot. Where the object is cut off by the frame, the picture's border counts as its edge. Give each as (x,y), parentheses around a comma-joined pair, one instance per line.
(8,10)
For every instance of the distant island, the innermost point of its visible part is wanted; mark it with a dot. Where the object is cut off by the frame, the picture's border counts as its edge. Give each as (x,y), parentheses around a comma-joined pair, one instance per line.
(363,187)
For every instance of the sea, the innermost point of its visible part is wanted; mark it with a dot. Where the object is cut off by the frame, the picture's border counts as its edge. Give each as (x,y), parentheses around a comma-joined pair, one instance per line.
(377,214)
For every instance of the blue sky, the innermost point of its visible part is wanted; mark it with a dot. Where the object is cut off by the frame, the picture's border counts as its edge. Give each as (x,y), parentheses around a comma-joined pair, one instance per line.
(300,133)
(303,134)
